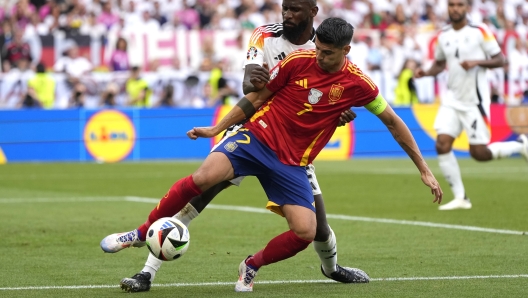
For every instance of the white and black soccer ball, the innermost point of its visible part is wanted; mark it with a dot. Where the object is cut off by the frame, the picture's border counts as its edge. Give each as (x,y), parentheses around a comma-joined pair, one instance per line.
(168,239)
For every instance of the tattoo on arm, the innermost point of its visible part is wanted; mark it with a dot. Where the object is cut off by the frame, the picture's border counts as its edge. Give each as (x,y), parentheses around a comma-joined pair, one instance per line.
(247,107)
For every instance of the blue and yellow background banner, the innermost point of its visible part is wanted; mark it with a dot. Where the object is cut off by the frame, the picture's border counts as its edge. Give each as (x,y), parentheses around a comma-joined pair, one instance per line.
(149,134)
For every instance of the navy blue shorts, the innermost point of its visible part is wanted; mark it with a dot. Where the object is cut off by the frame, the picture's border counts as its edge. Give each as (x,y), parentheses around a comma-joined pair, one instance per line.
(283,184)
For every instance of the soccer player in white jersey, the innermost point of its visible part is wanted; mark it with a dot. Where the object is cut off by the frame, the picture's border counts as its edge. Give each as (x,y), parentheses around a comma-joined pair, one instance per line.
(268,45)
(467,50)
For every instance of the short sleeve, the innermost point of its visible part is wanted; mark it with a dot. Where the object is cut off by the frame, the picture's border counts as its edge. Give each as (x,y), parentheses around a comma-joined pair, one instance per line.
(365,90)
(488,42)
(439,54)
(255,48)
(286,69)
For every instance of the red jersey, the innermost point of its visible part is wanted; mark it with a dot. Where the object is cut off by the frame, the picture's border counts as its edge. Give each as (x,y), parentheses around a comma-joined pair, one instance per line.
(303,113)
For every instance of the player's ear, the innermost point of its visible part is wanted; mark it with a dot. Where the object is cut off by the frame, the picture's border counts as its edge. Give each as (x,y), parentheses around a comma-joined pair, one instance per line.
(346,50)
(314,11)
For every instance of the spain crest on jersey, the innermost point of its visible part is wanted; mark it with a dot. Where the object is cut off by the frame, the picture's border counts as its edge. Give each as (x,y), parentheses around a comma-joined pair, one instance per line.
(314,96)
(335,93)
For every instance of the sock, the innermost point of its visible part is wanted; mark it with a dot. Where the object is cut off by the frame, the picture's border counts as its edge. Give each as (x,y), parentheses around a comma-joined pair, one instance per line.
(282,247)
(327,252)
(178,196)
(152,266)
(449,166)
(187,214)
(505,149)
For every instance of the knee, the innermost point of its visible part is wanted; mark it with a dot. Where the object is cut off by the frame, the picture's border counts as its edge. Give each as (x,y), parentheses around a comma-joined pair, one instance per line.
(322,232)
(480,153)
(305,232)
(442,147)
(200,179)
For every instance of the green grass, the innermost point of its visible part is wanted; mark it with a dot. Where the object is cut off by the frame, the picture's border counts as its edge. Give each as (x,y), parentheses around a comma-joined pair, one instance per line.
(57,243)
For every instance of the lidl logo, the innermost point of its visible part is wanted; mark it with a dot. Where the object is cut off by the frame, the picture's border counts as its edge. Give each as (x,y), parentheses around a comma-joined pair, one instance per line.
(109,136)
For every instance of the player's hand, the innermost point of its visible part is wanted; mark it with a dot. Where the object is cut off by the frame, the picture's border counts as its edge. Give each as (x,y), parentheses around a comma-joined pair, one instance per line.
(419,73)
(347,116)
(260,76)
(429,179)
(467,65)
(202,132)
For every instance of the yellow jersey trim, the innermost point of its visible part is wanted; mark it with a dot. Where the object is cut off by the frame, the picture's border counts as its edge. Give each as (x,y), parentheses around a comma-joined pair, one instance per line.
(306,155)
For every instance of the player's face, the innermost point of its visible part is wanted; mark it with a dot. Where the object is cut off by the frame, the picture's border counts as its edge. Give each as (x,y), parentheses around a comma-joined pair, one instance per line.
(329,57)
(297,15)
(457,10)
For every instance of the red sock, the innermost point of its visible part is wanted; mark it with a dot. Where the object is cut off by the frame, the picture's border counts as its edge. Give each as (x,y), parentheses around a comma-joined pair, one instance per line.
(282,247)
(178,196)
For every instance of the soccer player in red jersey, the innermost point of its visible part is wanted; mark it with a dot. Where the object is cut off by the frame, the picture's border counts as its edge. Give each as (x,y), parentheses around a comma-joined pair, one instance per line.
(286,133)
(268,45)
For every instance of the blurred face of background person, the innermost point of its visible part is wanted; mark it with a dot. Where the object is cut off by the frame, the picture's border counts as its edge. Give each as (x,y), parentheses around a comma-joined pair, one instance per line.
(121,44)
(411,64)
(134,73)
(73,52)
(457,10)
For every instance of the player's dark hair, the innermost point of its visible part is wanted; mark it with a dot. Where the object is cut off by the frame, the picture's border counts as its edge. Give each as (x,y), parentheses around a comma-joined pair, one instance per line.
(335,31)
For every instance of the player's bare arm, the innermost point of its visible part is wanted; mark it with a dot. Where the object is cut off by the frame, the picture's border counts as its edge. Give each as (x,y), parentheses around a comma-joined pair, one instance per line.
(244,109)
(403,136)
(495,61)
(436,68)
(255,78)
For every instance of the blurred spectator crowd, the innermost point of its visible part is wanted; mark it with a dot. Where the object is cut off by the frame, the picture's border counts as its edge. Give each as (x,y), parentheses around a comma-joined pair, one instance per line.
(393,47)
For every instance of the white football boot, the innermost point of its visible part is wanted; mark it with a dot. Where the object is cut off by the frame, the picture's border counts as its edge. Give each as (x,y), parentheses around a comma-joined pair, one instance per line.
(456,204)
(246,275)
(116,242)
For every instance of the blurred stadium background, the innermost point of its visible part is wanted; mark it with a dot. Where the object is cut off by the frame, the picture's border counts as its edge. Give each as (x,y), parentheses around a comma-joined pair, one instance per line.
(187,56)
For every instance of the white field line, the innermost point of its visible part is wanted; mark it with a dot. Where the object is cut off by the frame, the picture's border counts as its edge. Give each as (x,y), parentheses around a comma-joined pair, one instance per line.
(269,282)
(264,211)
(60,200)
(354,218)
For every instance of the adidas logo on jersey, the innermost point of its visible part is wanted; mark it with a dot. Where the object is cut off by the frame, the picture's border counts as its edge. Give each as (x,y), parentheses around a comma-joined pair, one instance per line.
(280,56)
(303,83)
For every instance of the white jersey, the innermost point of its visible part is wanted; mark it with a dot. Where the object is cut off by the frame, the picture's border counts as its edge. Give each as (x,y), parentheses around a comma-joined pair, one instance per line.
(268,45)
(466,89)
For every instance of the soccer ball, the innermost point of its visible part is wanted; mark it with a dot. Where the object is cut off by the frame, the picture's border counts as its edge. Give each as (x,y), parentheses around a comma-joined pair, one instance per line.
(168,239)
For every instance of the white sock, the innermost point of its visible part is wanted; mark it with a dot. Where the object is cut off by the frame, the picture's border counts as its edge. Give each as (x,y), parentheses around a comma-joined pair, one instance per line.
(505,149)
(187,214)
(327,252)
(152,266)
(449,166)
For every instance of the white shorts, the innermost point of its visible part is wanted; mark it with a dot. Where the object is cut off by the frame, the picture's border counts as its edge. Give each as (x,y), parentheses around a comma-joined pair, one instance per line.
(450,121)
(310,169)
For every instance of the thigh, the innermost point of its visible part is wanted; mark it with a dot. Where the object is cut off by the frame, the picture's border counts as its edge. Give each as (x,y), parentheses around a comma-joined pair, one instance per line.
(447,122)
(476,125)
(301,220)
(286,184)
(215,168)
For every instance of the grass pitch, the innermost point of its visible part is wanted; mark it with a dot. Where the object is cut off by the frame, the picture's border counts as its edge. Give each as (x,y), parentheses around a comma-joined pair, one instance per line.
(52,217)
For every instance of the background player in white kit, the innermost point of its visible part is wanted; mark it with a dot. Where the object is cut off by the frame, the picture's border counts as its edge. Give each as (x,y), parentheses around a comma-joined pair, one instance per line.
(268,45)
(467,50)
